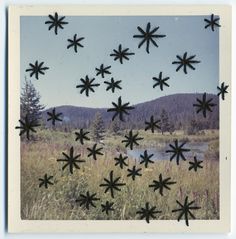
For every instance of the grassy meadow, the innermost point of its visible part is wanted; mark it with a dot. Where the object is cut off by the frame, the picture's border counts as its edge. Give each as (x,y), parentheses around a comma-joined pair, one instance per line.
(58,201)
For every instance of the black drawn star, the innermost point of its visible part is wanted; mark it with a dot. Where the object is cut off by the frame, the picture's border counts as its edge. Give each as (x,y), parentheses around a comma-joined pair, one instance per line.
(223,90)
(148,212)
(148,36)
(45,181)
(112,85)
(94,151)
(195,164)
(204,105)
(103,70)
(87,200)
(121,161)
(131,139)
(134,172)
(177,151)
(120,109)
(160,81)
(152,124)
(213,22)
(55,22)
(121,54)
(53,116)
(185,62)
(27,126)
(81,136)
(71,160)
(36,69)
(185,210)
(107,207)
(146,158)
(112,184)
(87,85)
(75,42)
(161,184)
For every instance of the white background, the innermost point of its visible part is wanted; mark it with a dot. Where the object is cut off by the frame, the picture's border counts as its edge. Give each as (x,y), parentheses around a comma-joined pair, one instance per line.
(3,78)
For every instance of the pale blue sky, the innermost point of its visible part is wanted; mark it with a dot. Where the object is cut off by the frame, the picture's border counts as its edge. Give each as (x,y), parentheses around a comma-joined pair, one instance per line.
(102,35)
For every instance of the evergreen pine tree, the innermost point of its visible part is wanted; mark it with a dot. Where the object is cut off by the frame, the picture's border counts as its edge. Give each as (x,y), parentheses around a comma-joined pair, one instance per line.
(98,128)
(165,125)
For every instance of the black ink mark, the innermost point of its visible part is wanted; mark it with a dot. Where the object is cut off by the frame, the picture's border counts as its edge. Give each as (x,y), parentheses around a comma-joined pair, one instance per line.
(107,207)
(94,151)
(81,136)
(148,212)
(87,85)
(121,54)
(120,109)
(131,139)
(185,210)
(55,22)
(148,36)
(204,105)
(121,161)
(160,81)
(134,172)
(87,200)
(152,124)
(213,22)
(75,42)
(185,62)
(103,70)
(222,90)
(112,184)
(146,158)
(27,126)
(112,85)
(195,164)
(45,181)
(71,160)
(177,151)
(36,69)
(53,116)
(161,184)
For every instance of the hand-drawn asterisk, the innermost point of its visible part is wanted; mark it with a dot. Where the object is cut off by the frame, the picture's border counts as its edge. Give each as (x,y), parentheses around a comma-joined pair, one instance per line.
(71,160)
(87,85)
(148,36)
(148,212)
(56,22)
(160,81)
(81,136)
(53,116)
(204,105)
(121,161)
(94,151)
(195,164)
(131,139)
(152,124)
(212,22)
(87,200)
(185,210)
(103,70)
(112,184)
(223,90)
(161,184)
(45,181)
(185,62)
(120,109)
(75,42)
(177,151)
(112,85)
(27,126)
(36,69)
(146,158)
(107,207)
(134,172)
(121,54)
